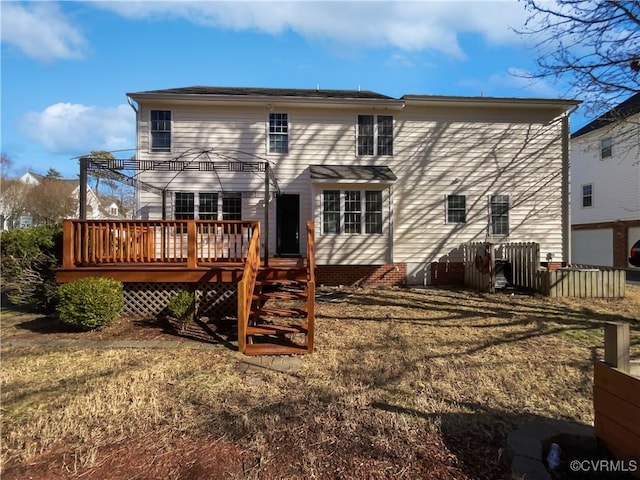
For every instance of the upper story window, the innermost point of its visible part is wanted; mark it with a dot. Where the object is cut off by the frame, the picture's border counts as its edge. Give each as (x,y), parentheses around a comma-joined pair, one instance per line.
(456,209)
(375,135)
(352,212)
(160,130)
(606,147)
(587,195)
(499,213)
(113,210)
(278,133)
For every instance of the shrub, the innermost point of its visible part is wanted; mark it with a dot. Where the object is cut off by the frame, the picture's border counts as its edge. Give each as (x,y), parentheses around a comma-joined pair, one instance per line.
(183,307)
(29,260)
(90,302)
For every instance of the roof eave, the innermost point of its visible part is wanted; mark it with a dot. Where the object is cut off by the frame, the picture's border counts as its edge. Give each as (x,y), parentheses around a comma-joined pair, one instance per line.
(503,102)
(264,100)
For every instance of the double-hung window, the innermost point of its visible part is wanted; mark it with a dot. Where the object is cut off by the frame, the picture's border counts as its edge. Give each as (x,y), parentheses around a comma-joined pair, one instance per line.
(587,195)
(278,133)
(375,135)
(456,209)
(231,206)
(352,212)
(184,208)
(606,147)
(499,213)
(160,130)
(208,206)
(331,211)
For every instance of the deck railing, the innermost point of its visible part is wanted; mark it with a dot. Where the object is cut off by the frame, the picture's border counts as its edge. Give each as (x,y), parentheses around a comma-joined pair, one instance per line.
(246,287)
(189,242)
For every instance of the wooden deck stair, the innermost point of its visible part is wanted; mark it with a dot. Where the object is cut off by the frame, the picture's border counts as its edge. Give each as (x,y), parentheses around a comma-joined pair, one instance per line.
(276,305)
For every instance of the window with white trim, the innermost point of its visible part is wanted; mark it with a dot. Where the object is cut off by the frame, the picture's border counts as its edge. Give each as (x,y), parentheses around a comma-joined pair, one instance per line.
(456,209)
(160,130)
(278,133)
(231,206)
(375,135)
(184,207)
(352,212)
(587,195)
(606,147)
(499,214)
(207,206)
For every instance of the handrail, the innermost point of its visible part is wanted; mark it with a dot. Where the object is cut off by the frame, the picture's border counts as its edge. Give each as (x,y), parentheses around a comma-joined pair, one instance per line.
(247,285)
(311,284)
(188,242)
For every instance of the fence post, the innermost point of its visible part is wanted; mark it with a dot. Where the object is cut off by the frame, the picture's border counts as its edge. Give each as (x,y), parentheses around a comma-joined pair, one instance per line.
(616,345)
(68,246)
(192,244)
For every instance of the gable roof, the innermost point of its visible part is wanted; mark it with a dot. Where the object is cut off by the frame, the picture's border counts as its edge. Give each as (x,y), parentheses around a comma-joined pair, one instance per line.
(625,109)
(266,92)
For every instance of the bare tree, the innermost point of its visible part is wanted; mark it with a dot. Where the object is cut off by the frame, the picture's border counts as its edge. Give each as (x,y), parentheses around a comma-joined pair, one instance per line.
(51,201)
(593,45)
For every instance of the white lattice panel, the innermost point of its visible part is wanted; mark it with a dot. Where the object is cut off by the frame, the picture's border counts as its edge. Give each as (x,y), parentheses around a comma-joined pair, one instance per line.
(215,300)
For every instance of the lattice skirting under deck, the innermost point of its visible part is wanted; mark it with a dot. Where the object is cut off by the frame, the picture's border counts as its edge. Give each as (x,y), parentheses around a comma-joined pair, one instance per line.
(214,300)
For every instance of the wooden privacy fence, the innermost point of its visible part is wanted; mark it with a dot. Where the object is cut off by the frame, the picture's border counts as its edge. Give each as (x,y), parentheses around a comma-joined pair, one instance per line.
(616,395)
(582,282)
(520,264)
(99,242)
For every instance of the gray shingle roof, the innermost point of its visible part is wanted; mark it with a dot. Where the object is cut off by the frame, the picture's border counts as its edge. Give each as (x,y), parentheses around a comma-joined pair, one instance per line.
(268,92)
(627,108)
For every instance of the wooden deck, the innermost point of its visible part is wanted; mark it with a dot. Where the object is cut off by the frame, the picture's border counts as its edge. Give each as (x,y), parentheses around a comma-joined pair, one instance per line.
(199,252)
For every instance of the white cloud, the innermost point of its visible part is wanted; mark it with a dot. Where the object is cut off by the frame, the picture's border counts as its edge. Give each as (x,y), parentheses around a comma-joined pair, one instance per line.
(41,31)
(407,25)
(73,129)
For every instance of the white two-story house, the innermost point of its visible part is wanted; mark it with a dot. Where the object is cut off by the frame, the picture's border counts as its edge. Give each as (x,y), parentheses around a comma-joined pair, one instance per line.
(394,185)
(605,187)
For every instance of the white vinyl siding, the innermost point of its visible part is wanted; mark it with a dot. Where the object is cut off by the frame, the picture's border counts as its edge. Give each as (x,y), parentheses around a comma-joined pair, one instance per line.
(495,150)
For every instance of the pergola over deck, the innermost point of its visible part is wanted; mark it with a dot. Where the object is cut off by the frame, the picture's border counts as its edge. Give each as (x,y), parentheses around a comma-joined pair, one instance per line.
(198,253)
(201,160)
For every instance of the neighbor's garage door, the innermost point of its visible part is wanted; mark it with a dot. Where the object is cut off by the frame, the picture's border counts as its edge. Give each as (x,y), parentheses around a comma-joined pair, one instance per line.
(592,247)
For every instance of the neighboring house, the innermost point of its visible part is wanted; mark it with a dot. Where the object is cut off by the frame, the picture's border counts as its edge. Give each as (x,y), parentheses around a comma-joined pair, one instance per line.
(95,208)
(605,191)
(395,186)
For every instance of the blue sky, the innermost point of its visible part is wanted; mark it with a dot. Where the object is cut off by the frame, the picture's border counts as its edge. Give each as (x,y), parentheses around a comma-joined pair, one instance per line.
(67,66)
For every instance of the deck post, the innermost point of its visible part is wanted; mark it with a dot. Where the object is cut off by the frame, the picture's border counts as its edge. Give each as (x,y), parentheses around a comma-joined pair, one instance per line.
(67,245)
(192,247)
(616,345)
(266,213)
(82,196)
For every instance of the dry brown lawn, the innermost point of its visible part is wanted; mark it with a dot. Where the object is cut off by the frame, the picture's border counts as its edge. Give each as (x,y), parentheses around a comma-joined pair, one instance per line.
(405,383)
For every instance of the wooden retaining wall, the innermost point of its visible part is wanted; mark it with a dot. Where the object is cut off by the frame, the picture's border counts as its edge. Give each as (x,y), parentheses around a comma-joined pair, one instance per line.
(616,396)
(582,283)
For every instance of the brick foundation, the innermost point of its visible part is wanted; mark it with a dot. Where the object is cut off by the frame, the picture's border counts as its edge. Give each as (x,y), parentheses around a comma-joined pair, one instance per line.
(390,274)
(553,266)
(447,273)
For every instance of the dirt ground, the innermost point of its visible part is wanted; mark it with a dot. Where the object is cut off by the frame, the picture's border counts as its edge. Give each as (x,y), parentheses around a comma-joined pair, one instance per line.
(404,383)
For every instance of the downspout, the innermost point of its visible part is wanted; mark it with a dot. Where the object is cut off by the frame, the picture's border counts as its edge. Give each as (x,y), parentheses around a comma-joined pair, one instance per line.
(566,189)
(136,209)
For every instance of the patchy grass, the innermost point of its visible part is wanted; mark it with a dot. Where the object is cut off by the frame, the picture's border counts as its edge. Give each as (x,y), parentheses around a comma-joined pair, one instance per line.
(415,383)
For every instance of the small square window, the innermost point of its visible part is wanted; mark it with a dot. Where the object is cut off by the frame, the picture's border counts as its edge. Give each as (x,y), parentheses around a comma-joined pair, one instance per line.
(456,209)
(606,147)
